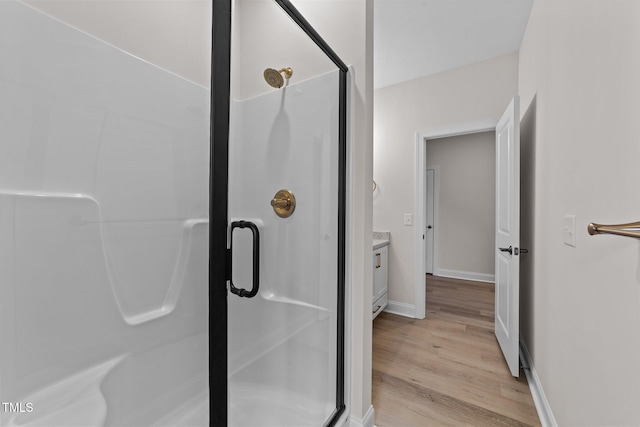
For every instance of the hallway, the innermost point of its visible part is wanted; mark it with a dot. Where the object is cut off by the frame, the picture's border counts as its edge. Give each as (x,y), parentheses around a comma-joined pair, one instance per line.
(446,369)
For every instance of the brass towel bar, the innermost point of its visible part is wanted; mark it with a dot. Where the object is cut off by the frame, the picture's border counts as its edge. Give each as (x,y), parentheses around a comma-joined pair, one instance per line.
(629,230)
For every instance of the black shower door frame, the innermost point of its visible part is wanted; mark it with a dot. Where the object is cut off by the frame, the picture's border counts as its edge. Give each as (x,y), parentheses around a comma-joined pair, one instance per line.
(218,208)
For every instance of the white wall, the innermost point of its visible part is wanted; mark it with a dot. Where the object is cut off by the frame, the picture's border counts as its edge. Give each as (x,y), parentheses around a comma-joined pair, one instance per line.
(265,37)
(466,204)
(580,100)
(466,94)
(174,35)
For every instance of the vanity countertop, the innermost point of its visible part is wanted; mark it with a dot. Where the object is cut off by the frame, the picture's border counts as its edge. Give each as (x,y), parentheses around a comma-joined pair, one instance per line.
(378,243)
(380,239)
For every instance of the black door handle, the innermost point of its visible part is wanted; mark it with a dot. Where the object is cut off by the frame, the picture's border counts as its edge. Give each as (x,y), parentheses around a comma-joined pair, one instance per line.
(509,249)
(429,227)
(241,292)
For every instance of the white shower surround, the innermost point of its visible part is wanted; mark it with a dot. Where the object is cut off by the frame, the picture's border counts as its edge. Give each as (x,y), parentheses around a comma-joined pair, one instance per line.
(104,175)
(104,170)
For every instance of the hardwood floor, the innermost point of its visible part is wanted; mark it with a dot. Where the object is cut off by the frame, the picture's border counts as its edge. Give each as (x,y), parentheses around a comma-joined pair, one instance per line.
(446,370)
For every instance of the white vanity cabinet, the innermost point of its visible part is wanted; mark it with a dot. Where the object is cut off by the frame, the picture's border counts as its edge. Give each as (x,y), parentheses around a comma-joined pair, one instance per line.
(380,278)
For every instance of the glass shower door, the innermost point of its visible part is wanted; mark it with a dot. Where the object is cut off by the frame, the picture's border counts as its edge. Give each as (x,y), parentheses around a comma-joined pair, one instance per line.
(286,221)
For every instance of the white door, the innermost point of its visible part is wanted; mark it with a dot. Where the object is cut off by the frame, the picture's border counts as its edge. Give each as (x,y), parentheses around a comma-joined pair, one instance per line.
(508,234)
(429,227)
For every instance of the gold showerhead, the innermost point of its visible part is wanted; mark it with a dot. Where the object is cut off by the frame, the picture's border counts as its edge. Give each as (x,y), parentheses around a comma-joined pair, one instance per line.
(274,77)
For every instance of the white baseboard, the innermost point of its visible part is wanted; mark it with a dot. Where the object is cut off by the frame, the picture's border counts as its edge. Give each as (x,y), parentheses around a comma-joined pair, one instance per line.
(401,308)
(465,275)
(539,398)
(366,421)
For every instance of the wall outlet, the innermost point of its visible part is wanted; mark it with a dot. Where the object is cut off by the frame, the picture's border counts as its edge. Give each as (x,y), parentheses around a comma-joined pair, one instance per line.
(569,230)
(408,219)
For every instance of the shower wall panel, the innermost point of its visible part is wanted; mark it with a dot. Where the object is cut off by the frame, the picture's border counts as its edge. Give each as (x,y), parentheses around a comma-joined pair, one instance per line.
(282,343)
(104,174)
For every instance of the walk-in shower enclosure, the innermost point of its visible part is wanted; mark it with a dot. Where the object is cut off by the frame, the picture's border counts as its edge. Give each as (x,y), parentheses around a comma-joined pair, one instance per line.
(171,250)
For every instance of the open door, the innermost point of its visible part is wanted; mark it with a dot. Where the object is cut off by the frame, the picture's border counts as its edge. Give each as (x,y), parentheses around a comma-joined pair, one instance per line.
(508,234)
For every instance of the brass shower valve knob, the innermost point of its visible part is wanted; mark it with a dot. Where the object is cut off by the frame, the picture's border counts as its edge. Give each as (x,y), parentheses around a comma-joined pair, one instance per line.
(283,203)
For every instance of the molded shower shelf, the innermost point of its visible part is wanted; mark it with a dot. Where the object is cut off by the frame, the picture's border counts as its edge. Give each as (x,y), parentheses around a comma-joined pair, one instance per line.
(52,224)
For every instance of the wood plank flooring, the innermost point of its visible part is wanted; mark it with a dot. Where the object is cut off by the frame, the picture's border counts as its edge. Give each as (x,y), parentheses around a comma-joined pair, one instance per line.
(446,370)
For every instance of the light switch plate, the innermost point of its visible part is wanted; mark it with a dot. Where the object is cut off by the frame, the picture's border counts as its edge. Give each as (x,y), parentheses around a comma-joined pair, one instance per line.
(408,219)
(569,230)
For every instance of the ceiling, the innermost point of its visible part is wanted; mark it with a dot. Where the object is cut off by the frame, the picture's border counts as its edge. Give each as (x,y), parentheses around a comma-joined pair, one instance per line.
(415,38)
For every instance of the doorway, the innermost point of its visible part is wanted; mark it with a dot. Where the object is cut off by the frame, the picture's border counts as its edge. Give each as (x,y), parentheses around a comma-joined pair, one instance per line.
(466,206)
(456,249)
